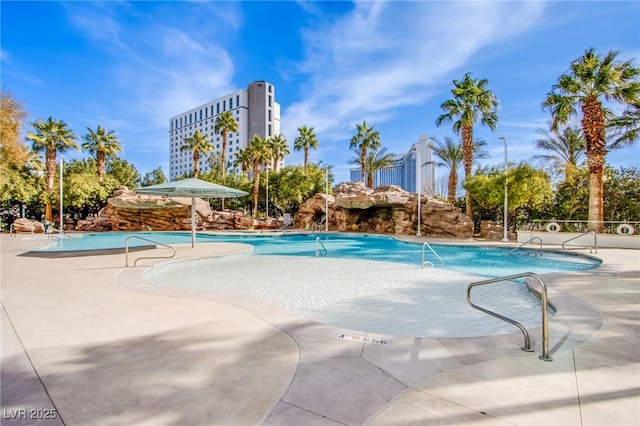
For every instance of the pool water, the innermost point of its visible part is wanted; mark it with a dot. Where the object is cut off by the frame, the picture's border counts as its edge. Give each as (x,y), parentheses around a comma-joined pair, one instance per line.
(363,295)
(483,261)
(362,282)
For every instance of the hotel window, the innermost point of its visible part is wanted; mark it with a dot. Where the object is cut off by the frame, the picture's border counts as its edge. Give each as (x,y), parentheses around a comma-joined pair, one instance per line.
(237,100)
(230,103)
(269,100)
(200,114)
(180,121)
(218,108)
(269,134)
(224,105)
(269,115)
(270,87)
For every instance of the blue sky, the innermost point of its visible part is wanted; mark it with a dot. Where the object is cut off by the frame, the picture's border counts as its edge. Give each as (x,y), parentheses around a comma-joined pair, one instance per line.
(129,66)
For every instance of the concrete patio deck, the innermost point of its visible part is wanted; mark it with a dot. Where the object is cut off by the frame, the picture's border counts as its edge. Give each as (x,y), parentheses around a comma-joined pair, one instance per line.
(86,341)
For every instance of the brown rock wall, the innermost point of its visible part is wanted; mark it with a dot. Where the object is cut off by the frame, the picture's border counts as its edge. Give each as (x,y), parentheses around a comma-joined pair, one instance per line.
(387,209)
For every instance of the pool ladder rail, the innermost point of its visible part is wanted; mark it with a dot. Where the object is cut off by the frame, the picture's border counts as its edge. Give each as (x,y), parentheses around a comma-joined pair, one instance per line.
(591,248)
(545,311)
(539,253)
(319,244)
(126,250)
(426,263)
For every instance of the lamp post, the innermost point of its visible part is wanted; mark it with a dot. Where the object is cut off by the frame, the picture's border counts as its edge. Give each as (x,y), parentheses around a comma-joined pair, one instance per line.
(418,186)
(61,230)
(267,194)
(505,237)
(326,198)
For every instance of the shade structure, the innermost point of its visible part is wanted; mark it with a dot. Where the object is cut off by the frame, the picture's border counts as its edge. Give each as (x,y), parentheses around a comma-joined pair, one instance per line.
(191,188)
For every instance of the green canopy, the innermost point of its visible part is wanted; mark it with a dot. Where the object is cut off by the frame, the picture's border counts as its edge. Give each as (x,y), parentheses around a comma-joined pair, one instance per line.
(191,188)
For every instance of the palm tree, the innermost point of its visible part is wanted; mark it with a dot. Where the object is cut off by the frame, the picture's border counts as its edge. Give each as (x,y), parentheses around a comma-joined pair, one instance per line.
(367,139)
(51,136)
(626,127)
(452,157)
(242,159)
(566,147)
(375,161)
(199,144)
(225,124)
(306,140)
(259,152)
(589,79)
(472,101)
(103,144)
(280,148)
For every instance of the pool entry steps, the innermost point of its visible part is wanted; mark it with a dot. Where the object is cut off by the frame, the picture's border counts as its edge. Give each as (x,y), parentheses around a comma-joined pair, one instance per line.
(591,248)
(427,263)
(545,311)
(126,250)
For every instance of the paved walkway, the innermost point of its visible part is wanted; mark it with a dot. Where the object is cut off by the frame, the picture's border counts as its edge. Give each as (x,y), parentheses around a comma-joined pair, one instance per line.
(86,341)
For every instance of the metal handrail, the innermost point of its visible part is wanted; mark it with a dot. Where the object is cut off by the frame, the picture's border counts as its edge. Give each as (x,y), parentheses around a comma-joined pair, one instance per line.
(545,312)
(527,242)
(126,250)
(318,240)
(422,263)
(12,231)
(595,241)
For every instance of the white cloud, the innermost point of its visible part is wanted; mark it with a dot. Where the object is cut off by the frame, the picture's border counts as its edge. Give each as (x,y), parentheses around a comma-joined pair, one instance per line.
(383,56)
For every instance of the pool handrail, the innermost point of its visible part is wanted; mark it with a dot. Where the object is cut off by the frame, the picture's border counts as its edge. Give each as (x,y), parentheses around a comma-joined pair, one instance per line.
(423,263)
(527,242)
(126,250)
(12,231)
(318,240)
(591,248)
(545,311)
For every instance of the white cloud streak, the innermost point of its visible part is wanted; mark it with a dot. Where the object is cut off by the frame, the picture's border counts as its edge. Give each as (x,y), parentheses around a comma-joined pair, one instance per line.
(388,55)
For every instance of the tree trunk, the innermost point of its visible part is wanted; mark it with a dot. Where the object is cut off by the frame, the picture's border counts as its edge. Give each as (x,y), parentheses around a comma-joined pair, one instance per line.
(100,158)
(50,156)
(596,194)
(223,165)
(256,188)
(467,150)
(593,121)
(196,165)
(363,157)
(452,185)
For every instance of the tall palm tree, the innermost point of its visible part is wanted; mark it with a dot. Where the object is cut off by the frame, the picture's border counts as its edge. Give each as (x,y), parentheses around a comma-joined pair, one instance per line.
(366,139)
(280,148)
(259,152)
(591,78)
(566,147)
(452,157)
(375,161)
(198,144)
(306,140)
(51,136)
(472,102)
(225,124)
(103,144)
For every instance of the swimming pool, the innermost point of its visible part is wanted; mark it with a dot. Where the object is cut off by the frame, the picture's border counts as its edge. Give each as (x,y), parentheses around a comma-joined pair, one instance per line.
(367,283)
(478,260)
